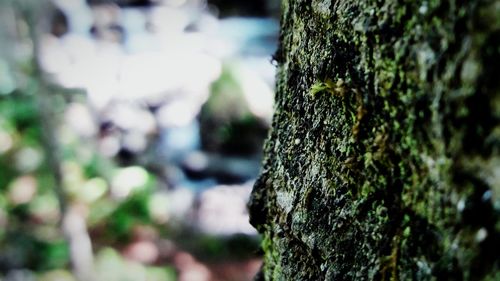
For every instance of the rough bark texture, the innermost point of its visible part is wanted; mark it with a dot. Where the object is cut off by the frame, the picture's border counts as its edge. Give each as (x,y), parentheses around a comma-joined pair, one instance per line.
(383,162)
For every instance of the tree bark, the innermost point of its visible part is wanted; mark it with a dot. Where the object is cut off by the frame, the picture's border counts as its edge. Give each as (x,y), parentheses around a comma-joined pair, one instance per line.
(383,162)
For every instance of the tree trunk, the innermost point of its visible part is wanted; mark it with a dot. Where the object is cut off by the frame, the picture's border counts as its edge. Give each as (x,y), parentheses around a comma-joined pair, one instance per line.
(383,162)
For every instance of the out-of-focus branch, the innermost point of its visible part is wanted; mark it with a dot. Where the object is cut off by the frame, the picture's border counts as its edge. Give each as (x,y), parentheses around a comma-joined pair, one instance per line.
(73,223)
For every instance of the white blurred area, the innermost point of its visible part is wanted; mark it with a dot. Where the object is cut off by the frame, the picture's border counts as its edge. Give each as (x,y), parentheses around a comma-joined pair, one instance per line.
(146,73)
(147,55)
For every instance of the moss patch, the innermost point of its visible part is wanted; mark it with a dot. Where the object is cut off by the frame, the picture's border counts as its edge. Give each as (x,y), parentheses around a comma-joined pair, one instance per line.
(393,104)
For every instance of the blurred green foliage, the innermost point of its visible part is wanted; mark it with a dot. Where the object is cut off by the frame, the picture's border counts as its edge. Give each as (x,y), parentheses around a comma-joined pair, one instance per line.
(47,168)
(228,125)
(31,236)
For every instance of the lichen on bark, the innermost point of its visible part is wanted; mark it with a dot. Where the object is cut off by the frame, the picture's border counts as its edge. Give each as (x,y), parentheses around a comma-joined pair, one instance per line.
(397,177)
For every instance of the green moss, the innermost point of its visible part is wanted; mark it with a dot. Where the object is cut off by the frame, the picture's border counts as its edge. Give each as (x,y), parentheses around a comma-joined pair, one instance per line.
(375,173)
(337,89)
(272,267)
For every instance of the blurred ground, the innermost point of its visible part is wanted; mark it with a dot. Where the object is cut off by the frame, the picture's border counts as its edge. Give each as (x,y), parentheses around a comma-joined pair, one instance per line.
(130,137)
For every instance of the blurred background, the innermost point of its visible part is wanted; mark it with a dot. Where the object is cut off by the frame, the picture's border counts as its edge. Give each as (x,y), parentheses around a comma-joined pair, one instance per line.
(130,136)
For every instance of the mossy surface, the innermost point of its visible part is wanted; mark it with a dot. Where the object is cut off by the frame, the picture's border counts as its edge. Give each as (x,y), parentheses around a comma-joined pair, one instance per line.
(383,160)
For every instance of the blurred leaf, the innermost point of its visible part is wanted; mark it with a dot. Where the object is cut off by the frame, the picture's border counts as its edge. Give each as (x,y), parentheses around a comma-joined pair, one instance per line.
(129,180)
(28,159)
(100,211)
(26,251)
(131,212)
(161,274)
(98,166)
(22,189)
(110,266)
(158,207)
(226,97)
(93,189)
(57,275)
(7,83)
(21,111)
(54,255)
(45,208)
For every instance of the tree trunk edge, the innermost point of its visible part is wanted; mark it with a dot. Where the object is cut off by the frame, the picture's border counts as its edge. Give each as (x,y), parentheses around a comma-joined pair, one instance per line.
(383,156)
